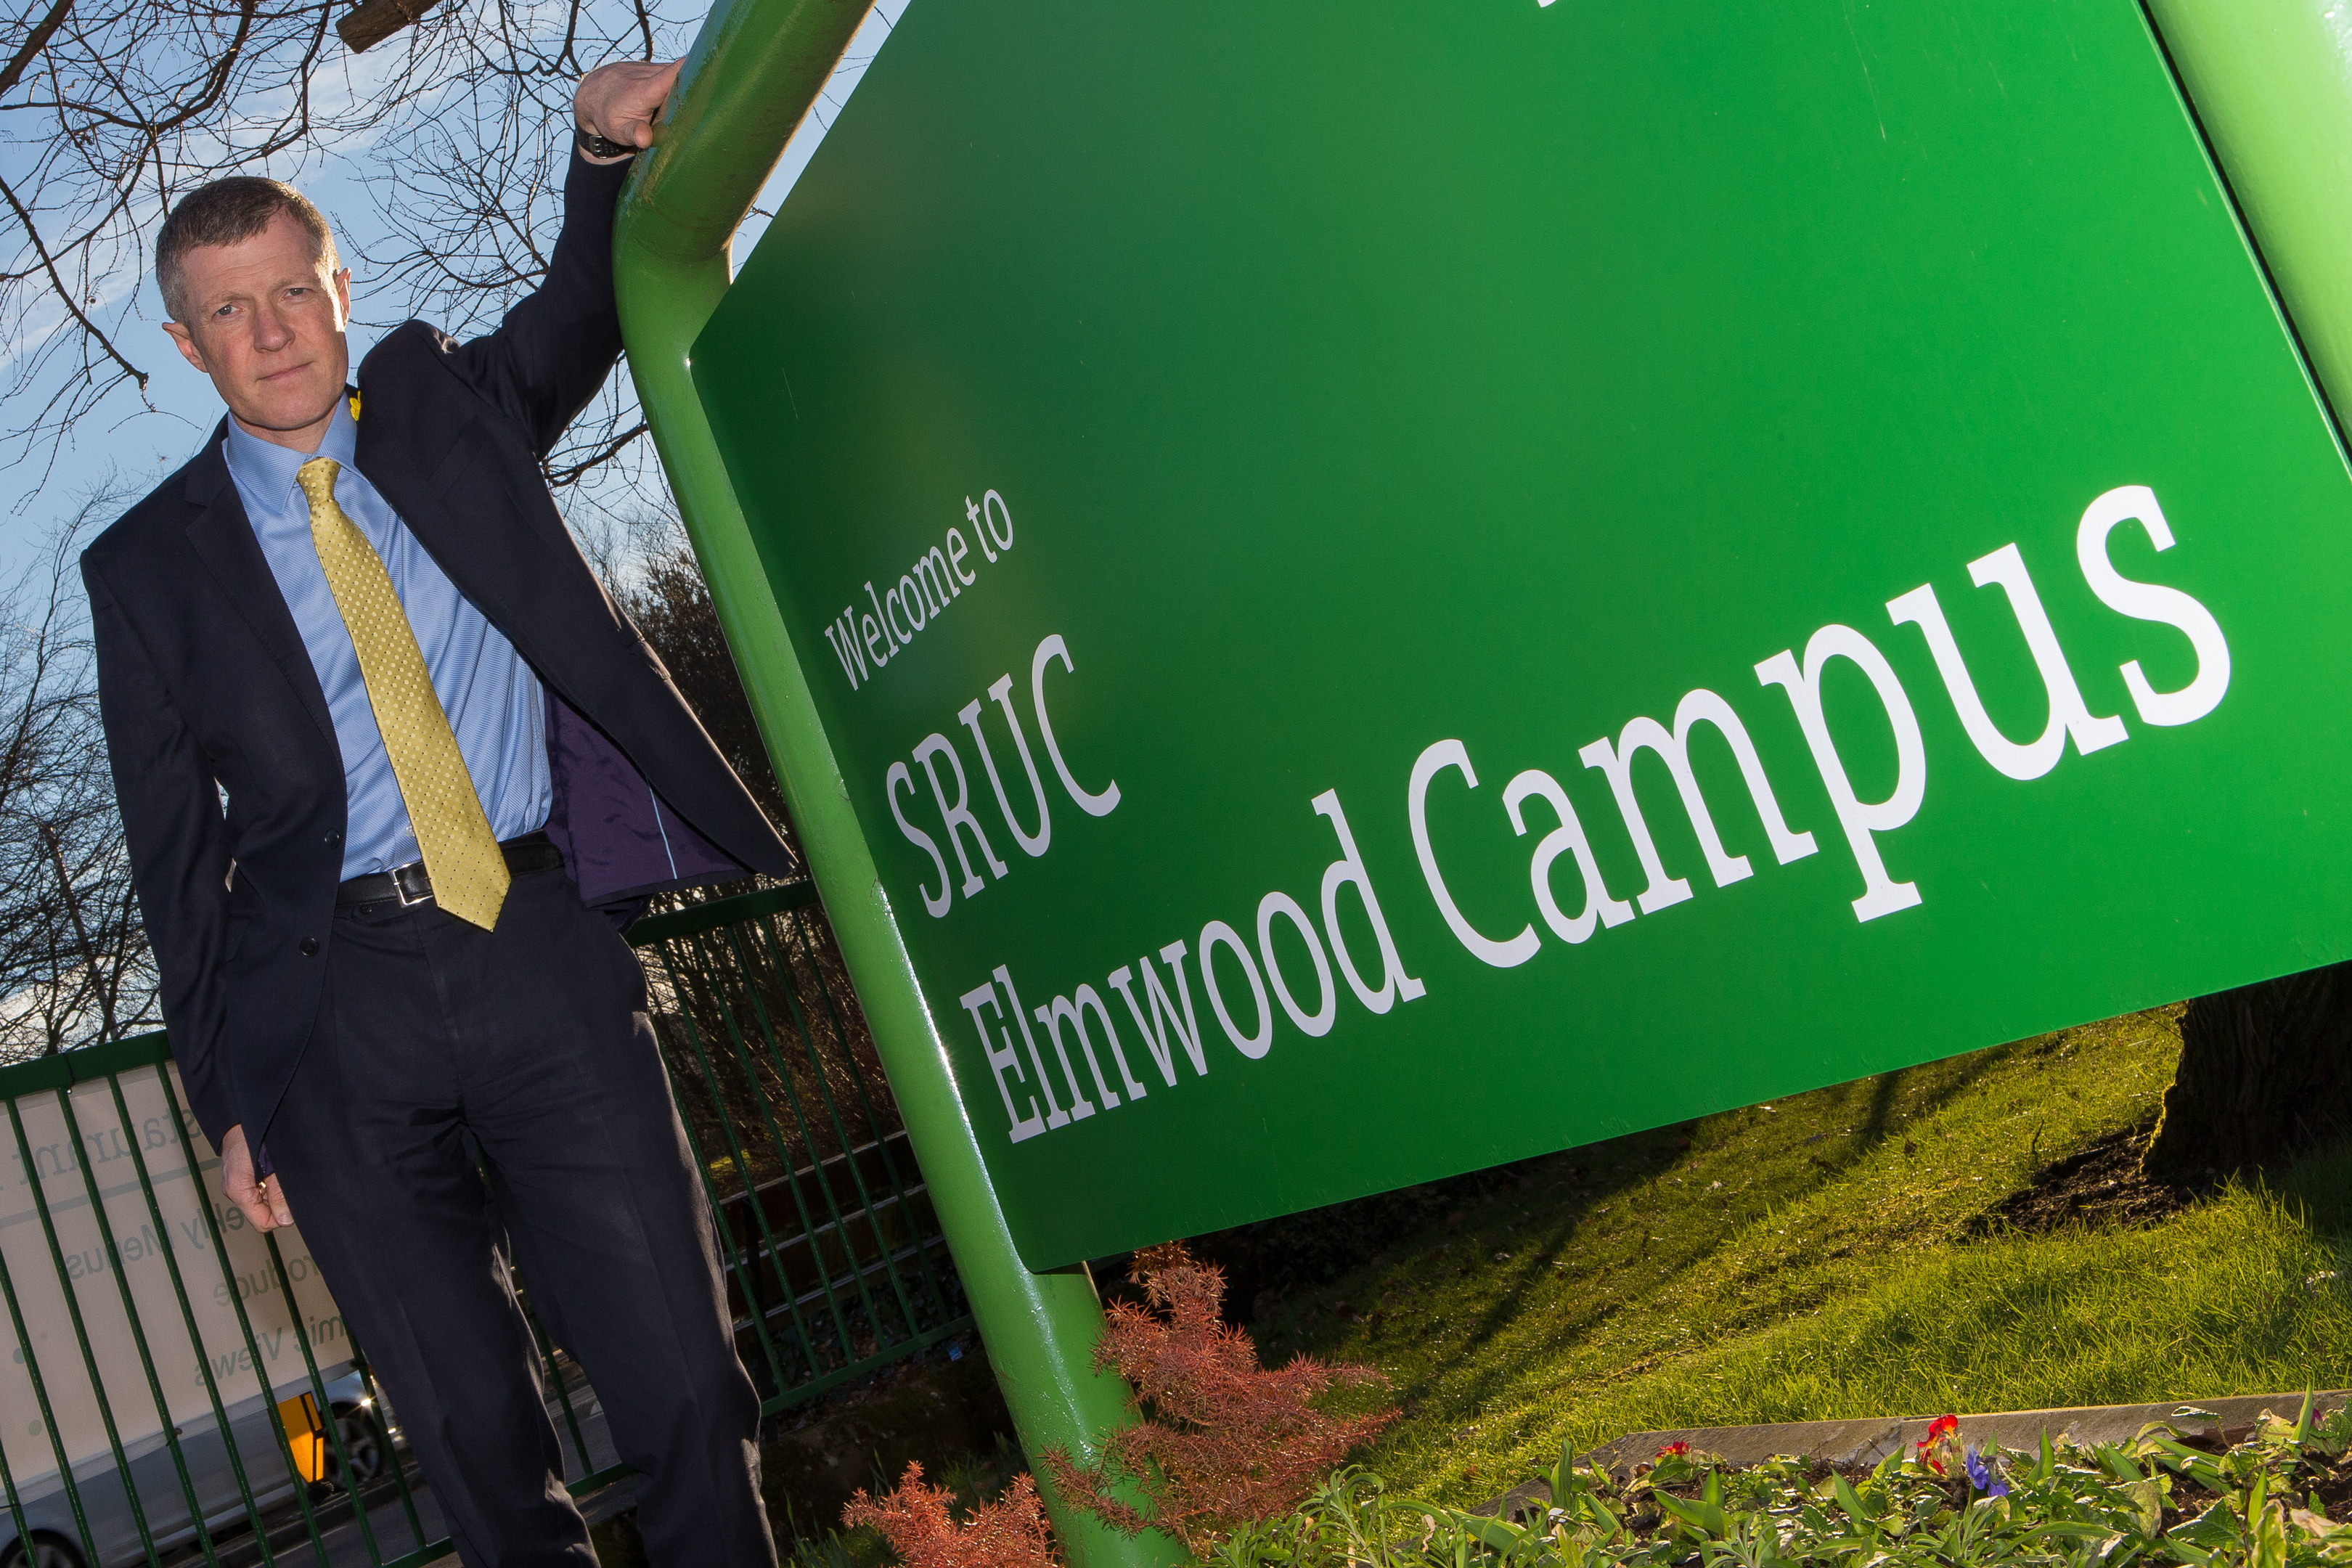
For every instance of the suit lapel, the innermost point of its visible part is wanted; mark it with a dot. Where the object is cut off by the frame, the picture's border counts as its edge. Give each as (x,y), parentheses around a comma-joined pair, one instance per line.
(222,537)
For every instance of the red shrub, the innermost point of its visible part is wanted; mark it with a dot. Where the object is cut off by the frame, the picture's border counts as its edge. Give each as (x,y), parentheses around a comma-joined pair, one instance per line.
(1224,1441)
(1008,1533)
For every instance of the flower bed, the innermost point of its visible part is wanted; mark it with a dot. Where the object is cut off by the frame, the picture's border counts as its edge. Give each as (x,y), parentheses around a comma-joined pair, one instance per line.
(2168,1496)
(1225,1453)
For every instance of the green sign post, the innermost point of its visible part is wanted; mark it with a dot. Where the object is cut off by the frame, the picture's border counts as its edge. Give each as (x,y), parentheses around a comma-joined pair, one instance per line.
(1348,594)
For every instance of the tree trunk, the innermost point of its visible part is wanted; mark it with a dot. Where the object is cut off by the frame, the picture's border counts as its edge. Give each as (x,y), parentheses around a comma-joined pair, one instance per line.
(2265,1074)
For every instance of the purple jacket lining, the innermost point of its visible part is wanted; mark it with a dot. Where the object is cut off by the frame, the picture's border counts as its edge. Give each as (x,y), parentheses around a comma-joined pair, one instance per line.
(619,840)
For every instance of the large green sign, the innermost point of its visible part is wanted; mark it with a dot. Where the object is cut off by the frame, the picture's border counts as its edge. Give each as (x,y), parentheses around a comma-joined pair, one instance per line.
(1398,586)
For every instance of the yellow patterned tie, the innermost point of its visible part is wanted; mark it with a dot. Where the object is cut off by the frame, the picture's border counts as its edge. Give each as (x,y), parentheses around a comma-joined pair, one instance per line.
(461,854)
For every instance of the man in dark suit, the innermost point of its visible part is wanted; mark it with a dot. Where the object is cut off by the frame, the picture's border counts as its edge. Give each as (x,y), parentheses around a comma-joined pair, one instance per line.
(394,769)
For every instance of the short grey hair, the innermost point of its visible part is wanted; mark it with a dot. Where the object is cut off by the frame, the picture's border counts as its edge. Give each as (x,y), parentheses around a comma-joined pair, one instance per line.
(227,212)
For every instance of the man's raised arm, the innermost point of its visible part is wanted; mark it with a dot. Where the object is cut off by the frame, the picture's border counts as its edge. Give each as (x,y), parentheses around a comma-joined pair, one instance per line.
(555,348)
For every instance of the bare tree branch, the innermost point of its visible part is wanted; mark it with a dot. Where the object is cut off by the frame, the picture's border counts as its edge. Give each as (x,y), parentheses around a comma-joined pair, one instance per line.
(457,121)
(42,31)
(74,962)
(570,473)
(49,265)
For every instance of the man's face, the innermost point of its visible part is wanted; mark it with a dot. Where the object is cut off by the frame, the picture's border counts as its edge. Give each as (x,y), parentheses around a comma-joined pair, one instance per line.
(266,323)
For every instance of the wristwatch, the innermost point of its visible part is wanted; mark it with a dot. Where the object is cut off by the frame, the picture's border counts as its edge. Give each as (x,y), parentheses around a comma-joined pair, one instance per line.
(596,146)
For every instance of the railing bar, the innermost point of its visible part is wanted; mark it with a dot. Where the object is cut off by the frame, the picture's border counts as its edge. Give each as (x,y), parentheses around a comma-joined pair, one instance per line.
(803,929)
(48,1416)
(738,1263)
(77,1066)
(833,1110)
(765,1247)
(886,1201)
(800,1118)
(538,1331)
(842,1318)
(423,1557)
(837,1225)
(805,938)
(873,1122)
(546,1359)
(180,1292)
(833,1379)
(319,1389)
(869,1146)
(746,1063)
(654,930)
(130,1309)
(816,1061)
(8,1488)
(383,1432)
(8,1474)
(898,1256)
(597,1480)
(81,1330)
(841,1325)
(244,1325)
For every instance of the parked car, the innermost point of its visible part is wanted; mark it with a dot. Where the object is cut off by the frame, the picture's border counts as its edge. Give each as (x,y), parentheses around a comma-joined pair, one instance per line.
(270,1469)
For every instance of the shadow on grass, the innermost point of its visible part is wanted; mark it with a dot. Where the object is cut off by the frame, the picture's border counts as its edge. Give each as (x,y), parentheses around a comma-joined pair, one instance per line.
(1273,1267)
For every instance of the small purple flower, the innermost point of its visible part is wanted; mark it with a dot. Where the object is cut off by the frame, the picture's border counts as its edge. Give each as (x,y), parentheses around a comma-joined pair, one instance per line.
(1980,1475)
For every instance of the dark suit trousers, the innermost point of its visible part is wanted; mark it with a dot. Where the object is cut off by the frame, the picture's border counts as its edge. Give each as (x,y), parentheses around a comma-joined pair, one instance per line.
(533,1040)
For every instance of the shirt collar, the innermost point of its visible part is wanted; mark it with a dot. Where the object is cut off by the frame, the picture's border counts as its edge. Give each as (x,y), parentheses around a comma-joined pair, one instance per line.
(267,468)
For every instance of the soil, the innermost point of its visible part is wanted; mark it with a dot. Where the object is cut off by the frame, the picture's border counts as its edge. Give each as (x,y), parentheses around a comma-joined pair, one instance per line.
(812,1460)
(2324,1490)
(2101,1187)
(2333,1495)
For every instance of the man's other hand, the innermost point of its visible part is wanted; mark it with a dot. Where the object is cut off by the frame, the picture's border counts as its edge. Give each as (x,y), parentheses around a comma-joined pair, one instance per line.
(618,102)
(262,1201)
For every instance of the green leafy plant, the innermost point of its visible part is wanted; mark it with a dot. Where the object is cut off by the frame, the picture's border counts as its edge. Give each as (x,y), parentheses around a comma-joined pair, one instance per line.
(2164,1497)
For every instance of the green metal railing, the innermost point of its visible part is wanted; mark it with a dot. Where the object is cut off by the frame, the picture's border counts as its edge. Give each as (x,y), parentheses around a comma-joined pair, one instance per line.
(156,1343)
(833,1257)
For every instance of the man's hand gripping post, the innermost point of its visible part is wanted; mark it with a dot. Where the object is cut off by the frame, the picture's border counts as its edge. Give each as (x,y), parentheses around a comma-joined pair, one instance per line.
(617,102)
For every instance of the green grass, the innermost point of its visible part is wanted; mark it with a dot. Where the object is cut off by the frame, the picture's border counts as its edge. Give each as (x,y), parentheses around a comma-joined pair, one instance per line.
(1813,1259)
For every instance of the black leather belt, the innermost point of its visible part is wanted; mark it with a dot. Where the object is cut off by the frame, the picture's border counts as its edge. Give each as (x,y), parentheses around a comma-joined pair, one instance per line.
(409,885)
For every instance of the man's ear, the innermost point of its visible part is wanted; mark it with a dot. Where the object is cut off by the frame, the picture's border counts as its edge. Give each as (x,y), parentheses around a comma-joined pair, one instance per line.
(186,340)
(343,298)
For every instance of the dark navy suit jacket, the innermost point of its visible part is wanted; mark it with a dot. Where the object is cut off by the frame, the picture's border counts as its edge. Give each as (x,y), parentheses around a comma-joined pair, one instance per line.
(208,690)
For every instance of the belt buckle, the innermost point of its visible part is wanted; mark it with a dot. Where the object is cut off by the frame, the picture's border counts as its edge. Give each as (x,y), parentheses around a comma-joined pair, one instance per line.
(399,889)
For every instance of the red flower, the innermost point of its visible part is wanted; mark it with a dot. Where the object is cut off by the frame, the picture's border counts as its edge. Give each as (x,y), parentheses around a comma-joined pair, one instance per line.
(1940,1430)
(1674,1450)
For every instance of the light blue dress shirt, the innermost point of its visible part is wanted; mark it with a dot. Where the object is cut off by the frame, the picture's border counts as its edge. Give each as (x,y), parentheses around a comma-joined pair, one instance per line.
(492,698)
